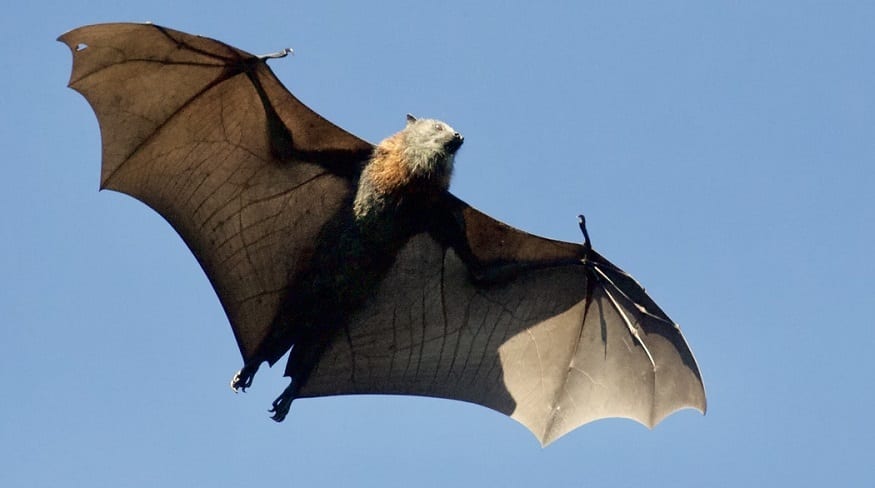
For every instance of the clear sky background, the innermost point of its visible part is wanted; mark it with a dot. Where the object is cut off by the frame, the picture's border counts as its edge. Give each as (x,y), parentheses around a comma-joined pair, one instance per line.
(722,151)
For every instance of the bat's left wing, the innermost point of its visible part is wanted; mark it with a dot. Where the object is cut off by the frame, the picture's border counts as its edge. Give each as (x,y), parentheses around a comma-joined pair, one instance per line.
(547,332)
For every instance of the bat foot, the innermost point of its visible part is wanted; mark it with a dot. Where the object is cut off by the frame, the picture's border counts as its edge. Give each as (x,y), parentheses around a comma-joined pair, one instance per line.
(280,406)
(243,378)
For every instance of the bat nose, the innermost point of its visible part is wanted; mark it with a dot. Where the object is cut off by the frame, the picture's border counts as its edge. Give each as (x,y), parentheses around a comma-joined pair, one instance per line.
(456,142)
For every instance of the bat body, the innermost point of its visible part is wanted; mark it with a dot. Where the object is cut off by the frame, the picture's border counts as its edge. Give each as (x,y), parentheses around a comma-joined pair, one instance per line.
(357,258)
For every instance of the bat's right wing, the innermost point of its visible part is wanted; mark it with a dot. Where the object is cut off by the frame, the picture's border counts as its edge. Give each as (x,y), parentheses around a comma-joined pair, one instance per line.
(206,135)
(550,338)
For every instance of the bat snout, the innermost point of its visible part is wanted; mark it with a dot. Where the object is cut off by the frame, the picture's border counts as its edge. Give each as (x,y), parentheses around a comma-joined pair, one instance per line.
(455,143)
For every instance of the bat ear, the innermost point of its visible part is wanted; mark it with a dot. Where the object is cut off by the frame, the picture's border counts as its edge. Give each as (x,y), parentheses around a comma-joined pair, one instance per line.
(410,119)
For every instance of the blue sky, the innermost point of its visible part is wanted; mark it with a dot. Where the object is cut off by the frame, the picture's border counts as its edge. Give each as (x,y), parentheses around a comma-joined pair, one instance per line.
(722,151)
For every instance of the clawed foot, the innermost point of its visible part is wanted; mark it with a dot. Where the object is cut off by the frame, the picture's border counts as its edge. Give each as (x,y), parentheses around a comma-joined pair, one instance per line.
(280,406)
(243,379)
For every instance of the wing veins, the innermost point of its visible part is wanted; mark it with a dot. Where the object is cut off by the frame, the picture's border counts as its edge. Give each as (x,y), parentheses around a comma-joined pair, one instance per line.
(146,61)
(223,77)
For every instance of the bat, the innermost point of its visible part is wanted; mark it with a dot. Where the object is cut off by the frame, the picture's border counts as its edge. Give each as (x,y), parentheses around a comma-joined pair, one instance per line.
(356,259)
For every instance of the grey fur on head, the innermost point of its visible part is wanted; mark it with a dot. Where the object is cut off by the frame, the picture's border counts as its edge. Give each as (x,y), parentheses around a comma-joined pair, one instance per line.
(430,146)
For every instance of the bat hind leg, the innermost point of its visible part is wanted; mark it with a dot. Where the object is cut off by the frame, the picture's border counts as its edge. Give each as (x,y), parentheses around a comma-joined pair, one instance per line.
(243,378)
(280,406)
(304,356)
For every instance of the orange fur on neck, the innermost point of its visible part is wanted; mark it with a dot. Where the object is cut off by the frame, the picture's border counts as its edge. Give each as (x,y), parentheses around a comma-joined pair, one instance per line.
(387,169)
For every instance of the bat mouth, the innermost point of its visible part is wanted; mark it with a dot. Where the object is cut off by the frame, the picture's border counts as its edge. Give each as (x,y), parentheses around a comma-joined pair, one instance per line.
(455,143)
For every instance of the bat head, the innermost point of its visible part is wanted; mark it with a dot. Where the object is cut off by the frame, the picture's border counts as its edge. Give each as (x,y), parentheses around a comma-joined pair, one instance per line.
(430,146)
(433,135)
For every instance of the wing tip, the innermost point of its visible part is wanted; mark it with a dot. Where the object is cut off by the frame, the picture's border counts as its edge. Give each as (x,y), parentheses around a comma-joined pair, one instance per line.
(67,39)
(70,37)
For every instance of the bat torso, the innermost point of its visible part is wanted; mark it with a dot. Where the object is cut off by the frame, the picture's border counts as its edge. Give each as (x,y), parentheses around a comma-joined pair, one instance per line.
(395,196)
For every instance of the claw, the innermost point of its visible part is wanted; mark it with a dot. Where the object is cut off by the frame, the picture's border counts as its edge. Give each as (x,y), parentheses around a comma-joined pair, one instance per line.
(280,406)
(243,378)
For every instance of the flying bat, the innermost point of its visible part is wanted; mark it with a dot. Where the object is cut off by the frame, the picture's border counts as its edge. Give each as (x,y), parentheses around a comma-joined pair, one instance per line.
(357,259)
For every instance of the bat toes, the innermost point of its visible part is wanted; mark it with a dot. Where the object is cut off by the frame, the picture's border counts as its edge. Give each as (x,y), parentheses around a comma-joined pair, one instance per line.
(280,407)
(243,378)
